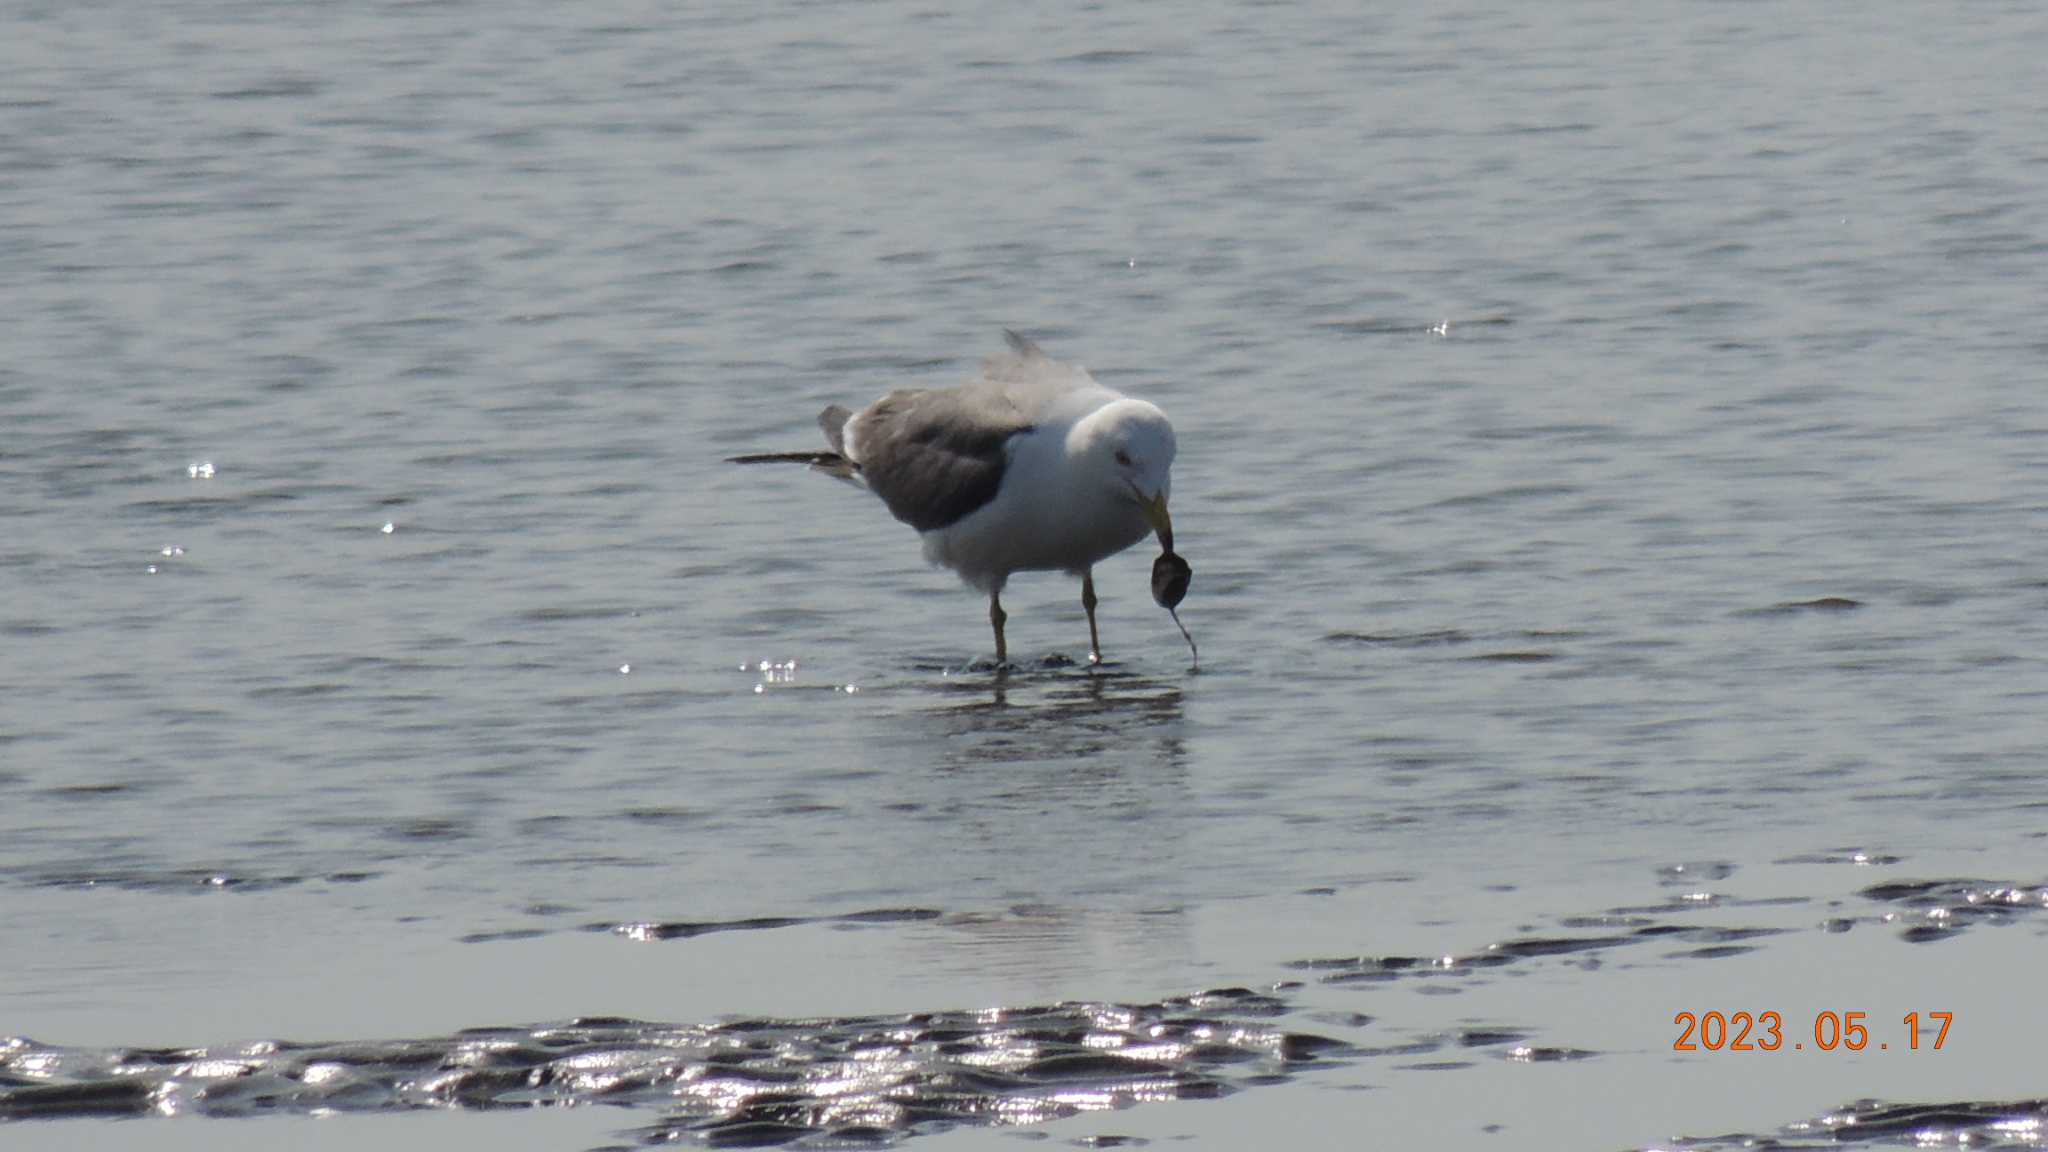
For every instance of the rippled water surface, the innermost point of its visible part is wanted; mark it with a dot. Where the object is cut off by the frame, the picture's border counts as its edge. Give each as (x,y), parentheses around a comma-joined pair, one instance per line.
(1612,446)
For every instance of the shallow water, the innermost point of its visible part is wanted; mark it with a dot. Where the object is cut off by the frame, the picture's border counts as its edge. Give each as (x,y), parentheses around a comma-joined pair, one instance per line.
(1610,455)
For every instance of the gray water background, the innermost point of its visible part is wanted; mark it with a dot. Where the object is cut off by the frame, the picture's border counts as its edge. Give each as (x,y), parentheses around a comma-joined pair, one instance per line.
(1743,310)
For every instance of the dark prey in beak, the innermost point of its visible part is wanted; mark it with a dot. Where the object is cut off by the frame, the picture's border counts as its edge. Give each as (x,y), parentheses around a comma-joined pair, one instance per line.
(1170,578)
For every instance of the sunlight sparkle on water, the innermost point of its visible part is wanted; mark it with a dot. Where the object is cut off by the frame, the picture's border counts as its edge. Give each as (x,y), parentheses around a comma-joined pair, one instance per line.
(317,1074)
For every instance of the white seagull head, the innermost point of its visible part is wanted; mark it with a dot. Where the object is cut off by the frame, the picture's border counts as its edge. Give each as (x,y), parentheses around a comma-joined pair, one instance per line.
(1130,446)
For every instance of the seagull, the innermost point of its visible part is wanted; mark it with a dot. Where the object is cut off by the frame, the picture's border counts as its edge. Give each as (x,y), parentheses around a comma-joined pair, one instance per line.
(1032,466)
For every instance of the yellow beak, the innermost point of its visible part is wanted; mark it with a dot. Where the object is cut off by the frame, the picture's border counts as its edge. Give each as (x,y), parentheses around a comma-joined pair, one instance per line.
(1155,515)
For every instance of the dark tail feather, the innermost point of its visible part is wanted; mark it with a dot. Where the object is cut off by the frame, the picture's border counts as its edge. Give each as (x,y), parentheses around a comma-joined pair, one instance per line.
(826,460)
(833,421)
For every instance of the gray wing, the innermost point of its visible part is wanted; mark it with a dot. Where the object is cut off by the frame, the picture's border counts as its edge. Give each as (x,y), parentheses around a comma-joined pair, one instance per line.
(1029,377)
(936,456)
(833,421)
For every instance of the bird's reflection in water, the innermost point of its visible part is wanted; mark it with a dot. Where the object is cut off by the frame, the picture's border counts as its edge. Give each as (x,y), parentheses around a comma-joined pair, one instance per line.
(1053,801)
(1058,712)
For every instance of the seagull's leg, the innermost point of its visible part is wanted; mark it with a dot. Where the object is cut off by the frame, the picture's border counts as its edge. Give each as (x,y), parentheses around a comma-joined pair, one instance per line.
(1088,605)
(996,616)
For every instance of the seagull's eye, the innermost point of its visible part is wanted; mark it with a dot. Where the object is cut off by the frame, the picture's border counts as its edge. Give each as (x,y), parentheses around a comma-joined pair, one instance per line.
(1123,458)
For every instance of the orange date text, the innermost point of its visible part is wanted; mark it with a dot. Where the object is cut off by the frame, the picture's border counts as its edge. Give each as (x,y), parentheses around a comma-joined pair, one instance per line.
(1829,1032)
